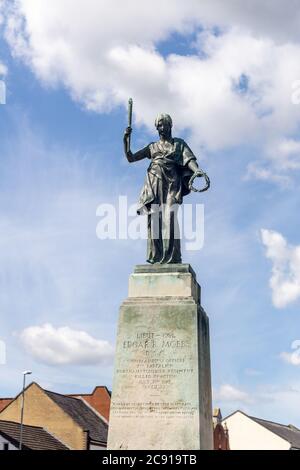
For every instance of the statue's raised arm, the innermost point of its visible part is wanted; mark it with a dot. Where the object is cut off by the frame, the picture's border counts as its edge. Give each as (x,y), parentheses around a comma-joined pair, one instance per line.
(132,157)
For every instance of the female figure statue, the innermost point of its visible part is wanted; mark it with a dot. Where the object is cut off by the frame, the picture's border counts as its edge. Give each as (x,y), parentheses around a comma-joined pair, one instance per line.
(172,169)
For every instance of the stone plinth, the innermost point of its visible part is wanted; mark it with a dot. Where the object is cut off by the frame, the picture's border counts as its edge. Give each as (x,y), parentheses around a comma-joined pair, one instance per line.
(161,395)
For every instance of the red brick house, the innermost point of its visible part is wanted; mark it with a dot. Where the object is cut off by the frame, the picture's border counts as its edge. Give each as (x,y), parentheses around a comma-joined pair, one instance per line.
(99,399)
(221,438)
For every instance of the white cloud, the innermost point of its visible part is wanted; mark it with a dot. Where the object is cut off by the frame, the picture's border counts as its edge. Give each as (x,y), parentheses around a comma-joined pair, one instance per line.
(63,345)
(229,393)
(292,357)
(282,157)
(276,403)
(3,70)
(2,2)
(272,402)
(286,153)
(285,279)
(266,173)
(231,89)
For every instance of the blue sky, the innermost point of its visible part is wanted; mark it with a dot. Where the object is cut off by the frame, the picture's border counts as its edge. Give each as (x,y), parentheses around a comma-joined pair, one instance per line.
(226,77)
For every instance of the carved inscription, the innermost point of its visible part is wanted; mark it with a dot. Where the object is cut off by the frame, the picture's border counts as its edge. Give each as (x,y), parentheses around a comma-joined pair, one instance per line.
(151,366)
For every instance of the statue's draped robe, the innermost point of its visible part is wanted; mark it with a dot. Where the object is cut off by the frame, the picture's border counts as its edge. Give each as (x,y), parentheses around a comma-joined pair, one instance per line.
(165,185)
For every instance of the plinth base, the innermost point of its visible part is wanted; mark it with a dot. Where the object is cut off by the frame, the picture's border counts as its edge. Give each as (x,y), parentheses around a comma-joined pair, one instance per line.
(161,395)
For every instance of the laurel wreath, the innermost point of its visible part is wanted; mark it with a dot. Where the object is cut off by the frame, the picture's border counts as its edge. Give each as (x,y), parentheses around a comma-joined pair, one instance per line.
(207,182)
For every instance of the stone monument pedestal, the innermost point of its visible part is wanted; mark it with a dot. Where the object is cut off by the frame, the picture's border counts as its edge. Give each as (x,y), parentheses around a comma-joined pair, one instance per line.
(161,397)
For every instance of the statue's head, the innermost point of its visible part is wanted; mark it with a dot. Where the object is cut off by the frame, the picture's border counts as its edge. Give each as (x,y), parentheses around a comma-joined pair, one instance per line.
(163,124)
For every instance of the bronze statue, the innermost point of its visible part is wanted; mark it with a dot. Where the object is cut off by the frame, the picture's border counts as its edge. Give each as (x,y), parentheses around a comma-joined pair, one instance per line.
(170,177)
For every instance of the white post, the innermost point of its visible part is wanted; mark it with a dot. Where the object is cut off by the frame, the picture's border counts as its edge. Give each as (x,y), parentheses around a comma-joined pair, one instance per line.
(22,407)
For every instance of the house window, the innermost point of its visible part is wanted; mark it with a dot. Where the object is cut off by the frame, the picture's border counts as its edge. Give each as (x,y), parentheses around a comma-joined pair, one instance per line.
(5,446)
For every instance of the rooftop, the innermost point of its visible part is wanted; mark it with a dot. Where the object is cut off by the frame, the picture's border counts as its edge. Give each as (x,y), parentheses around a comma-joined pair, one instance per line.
(34,437)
